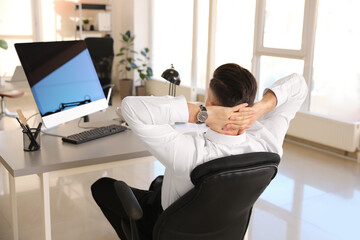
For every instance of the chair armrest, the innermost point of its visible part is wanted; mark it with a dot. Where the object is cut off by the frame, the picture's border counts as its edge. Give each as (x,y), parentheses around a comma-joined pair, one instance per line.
(128,200)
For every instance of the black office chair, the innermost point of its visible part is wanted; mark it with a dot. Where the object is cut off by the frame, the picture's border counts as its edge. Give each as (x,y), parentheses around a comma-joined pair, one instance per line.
(102,54)
(218,207)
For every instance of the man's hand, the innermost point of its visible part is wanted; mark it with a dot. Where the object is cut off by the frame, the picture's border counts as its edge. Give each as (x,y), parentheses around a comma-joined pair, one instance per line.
(219,118)
(229,120)
(234,120)
(241,123)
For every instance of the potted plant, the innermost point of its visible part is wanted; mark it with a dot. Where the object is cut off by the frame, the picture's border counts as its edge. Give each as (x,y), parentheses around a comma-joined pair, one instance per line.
(128,62)
(3,44)
(144,70)
(86,23)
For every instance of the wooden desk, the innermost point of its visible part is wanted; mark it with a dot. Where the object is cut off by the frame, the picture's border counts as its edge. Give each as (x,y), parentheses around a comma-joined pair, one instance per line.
(57,157)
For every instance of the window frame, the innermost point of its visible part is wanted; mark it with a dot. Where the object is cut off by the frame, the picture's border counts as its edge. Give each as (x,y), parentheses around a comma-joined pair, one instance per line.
(306,53)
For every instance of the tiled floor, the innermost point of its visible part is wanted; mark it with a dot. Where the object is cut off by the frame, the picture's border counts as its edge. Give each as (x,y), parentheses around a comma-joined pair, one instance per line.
(314,196)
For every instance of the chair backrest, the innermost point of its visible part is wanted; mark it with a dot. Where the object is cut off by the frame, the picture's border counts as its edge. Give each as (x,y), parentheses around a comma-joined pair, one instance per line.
(102,53)
(220,204)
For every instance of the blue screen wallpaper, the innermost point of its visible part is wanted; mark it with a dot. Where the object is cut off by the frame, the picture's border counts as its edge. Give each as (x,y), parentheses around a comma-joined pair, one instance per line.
(73,84)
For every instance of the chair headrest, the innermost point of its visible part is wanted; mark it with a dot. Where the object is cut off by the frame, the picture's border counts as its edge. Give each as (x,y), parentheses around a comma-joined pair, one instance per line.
(233,162)
(100,47)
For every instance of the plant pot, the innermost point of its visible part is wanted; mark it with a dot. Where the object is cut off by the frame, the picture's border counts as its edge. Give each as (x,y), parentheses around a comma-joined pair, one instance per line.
(125,87)
(140,90)
(86,27)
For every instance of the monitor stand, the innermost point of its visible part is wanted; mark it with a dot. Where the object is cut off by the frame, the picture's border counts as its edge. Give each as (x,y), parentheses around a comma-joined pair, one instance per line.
(86,118)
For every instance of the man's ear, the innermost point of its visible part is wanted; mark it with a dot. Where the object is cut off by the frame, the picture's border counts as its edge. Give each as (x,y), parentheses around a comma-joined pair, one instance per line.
(211,100)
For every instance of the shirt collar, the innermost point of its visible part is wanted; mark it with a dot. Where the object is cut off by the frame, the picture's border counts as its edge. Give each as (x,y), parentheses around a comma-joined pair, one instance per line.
(224,139)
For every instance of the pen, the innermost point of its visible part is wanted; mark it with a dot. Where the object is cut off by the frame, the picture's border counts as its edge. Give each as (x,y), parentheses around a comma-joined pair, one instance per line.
(28,133)
(22,125)
(38,129)
(26,129)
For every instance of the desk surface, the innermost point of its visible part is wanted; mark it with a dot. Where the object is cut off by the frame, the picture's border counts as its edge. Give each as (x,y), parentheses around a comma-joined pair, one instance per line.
(57,155)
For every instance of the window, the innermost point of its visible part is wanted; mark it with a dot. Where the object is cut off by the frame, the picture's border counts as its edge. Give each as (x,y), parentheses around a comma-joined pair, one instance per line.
(199,74)
(319,39)
(278,41)
(234,32)
(172,37)
(14,28)
(284,24)
(335,89)
(274,68)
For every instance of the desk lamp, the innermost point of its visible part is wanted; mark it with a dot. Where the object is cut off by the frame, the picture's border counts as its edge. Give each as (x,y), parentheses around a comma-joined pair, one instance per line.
(173,77)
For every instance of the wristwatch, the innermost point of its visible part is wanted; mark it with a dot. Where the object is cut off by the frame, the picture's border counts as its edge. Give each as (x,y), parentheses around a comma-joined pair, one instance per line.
(202,115)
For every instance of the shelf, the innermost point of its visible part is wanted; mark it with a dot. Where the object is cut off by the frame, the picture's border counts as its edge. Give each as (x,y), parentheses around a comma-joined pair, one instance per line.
(100,16)
(89,6)
(93,31)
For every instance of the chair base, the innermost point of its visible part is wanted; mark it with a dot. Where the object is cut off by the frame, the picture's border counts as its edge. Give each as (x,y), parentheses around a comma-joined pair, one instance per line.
(4,112)
(7,113)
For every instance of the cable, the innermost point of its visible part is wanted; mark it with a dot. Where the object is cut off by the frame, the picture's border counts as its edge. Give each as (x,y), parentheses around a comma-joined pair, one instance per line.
(31,116)
(84,126)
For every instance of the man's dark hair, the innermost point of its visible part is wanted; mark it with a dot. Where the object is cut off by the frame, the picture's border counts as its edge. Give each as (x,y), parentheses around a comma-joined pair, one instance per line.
(232,85)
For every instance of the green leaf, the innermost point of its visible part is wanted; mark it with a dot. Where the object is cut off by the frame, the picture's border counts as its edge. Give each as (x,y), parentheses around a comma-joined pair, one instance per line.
(149,71)
(125,38)
(3,44)
(120,54)
(128,68)
(128,33)
(143,53)
(133,65)
(146,50)
(142,76)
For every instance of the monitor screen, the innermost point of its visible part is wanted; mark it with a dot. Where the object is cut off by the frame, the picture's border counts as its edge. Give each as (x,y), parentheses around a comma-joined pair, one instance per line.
(63,80)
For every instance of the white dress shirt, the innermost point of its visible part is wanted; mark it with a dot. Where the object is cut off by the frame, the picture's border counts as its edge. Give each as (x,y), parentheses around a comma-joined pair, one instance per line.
(151,118)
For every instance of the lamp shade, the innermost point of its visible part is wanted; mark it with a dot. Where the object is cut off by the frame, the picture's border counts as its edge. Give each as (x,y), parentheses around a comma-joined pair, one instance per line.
(171,75)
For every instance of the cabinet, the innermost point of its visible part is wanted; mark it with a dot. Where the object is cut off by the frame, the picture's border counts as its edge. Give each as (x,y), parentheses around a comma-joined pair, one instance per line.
(92,20)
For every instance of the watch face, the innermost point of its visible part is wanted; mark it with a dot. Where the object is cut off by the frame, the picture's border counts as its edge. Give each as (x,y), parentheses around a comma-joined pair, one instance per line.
(202,116)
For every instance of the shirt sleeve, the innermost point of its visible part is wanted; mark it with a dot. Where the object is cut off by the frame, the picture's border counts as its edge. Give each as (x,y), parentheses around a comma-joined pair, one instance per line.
(290,92)
(150,118)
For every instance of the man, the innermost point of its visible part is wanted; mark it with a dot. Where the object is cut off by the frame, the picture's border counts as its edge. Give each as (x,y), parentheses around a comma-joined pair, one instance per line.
(233,129)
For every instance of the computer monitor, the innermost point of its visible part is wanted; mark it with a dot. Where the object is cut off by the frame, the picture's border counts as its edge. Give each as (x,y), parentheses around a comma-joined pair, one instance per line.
(63,80)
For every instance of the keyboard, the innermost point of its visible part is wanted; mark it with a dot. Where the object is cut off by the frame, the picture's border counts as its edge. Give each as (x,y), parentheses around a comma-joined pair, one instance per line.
(93,134)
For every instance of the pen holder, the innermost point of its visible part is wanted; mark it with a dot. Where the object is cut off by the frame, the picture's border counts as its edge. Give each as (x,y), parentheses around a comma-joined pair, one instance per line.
(31,140)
